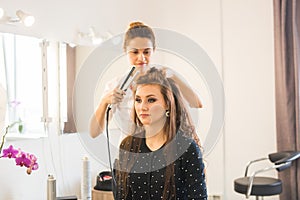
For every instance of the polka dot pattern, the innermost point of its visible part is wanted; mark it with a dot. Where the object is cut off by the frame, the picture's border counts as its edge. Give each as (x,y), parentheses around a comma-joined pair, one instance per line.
(146,179)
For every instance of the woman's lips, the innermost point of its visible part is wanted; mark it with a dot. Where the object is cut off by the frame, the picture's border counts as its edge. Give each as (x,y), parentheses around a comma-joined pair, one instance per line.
(144,115)
(140,64)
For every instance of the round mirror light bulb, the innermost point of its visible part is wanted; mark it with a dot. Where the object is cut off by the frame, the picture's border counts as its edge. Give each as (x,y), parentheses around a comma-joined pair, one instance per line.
(29,20)
(97,40)
(1,13)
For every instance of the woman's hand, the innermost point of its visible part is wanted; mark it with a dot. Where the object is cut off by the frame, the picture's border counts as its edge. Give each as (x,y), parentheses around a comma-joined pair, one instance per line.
(114,97)
(97,121)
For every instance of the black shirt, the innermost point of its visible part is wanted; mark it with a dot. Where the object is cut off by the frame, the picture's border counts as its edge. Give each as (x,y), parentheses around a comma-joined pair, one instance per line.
(147,176)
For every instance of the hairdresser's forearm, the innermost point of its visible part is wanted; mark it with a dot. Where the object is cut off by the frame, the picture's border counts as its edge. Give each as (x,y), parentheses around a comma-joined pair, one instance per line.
(97,121)
(187,92)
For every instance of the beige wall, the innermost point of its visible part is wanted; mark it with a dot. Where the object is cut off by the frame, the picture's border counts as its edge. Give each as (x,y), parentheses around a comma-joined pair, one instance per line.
(249,85)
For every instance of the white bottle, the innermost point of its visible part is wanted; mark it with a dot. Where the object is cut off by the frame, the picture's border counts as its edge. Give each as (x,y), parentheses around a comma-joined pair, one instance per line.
(51,188)
(86,185)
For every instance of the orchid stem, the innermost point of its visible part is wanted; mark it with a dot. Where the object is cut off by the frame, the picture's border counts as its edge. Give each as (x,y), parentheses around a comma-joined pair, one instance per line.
(3,138)
(6,131)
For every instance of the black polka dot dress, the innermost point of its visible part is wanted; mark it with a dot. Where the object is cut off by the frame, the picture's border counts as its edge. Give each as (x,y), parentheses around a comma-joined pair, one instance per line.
(146,179)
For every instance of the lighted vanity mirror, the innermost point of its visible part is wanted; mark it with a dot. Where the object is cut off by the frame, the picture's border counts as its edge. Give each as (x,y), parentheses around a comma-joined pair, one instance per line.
(33,77)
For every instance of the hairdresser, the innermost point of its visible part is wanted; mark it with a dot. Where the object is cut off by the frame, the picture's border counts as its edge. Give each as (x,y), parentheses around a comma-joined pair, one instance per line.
(139,46)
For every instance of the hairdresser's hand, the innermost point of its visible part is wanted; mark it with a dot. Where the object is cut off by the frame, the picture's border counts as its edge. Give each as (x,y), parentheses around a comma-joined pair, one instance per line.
(97,121)
(114,97)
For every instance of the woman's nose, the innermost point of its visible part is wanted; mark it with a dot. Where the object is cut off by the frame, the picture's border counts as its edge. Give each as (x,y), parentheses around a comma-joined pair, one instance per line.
(141,57)
(144,106)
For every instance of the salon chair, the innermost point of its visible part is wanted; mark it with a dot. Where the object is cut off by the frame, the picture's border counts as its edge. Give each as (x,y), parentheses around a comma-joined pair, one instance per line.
(260,186)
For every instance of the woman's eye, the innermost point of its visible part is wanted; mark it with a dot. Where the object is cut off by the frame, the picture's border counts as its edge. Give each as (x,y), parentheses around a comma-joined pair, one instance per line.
(138,100)
(151,100)
(133,52)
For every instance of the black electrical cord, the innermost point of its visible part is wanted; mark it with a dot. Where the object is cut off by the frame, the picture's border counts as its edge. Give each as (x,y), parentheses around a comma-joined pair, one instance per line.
(109,153)
(107,135)
(123,87)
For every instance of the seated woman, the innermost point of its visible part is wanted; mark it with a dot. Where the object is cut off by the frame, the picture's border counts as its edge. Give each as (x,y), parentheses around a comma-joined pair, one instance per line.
(161,158)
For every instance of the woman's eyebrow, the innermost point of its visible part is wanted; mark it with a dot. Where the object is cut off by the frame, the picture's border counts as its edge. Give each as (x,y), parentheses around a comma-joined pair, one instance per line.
(133,48)
(150,95)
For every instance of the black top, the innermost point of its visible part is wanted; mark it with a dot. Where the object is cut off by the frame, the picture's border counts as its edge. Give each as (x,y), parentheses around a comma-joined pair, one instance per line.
(147,176)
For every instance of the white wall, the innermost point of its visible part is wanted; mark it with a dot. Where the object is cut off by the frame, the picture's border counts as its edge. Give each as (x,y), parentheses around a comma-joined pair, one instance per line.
(249,85)
(238,36)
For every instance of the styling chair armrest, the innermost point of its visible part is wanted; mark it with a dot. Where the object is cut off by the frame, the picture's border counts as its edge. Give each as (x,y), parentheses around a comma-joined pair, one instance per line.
(251,178)
(251,162)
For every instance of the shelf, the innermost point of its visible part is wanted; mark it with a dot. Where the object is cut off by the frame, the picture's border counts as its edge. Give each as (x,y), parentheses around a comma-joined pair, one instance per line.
(23,136)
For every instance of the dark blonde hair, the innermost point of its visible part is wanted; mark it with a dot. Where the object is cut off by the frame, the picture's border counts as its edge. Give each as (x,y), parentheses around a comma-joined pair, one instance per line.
(138,29)
(178,122)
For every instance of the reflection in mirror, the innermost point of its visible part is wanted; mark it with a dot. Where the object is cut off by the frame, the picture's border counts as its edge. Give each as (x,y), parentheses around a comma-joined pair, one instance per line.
(33,73)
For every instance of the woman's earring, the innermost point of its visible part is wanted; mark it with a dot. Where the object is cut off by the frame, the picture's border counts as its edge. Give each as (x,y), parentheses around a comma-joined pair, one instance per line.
(167,113)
